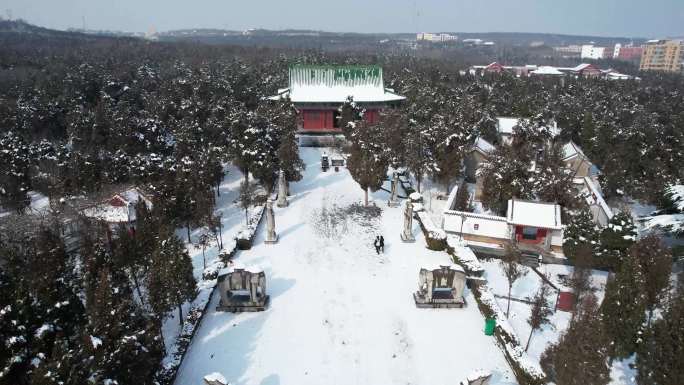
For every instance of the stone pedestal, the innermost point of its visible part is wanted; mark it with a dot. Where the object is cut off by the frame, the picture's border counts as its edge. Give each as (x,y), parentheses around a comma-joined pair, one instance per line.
(271,236)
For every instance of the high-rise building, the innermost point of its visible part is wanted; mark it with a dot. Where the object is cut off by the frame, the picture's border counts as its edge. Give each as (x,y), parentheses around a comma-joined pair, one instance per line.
(590,51)
(627,52)
(662,55)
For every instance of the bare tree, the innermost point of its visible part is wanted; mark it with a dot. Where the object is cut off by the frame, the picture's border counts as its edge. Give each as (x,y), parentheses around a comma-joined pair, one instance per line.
(541,311)
(513,270)
(246,198)
(580,279)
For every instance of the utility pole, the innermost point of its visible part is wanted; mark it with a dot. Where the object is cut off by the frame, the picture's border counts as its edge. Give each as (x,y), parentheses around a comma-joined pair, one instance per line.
(84,23)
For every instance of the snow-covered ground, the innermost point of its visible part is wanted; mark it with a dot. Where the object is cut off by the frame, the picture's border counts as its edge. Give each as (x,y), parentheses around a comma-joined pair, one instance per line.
(340,313)
(525,288)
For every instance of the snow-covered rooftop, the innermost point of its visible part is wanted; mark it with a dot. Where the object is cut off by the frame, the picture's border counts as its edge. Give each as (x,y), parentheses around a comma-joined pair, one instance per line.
(547,70)
(505,125)
(334,84)
(483,146)
(570,150)
(535,214)
(120,208)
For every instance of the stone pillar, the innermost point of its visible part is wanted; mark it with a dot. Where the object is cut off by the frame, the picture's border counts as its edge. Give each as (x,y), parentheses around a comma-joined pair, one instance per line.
(282,190)
(271,236)
(407,233)
(393,200)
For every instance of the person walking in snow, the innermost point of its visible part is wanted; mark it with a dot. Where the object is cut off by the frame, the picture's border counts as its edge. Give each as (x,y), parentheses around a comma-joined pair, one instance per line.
(376,243)
(382,243)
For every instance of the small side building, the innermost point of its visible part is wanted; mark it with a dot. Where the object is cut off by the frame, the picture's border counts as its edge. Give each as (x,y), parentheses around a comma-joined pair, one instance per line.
(575,160)
(119,209)
(533,227)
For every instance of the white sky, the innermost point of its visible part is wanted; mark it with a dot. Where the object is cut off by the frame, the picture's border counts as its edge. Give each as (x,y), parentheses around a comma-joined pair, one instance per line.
(637,18)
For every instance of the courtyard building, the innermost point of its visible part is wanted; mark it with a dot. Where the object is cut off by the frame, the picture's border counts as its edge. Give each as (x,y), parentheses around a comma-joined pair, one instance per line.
(318,91)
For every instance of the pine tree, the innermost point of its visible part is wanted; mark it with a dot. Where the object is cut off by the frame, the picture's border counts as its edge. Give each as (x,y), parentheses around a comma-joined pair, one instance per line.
(462,201)
(505,175)
(15,180)
(367,162)
(288,149)
(616,239)
(119,338)
(553,182)
(449,157)
(171,280)
(660,357)
(580,279)
(580,231)
(580,356)
(655,263)
(623,308)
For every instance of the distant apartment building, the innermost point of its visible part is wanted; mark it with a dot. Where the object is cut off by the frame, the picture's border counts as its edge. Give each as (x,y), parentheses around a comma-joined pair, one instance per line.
(436,37)
(569,50)
(590,51)
(627,52)
(662,55)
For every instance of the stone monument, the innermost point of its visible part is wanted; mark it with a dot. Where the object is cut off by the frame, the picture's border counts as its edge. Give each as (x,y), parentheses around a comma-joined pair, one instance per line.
(282,190)
(441,287)
(393,200)
(271,236)
(242,290)
(407,233)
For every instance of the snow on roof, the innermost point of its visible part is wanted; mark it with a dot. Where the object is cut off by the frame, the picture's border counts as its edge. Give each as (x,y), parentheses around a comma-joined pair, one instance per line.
(582,67)
(483,146)
(439,265)
(238,266)
(597,197)
(334,84)
(534,214)
(108,213)
(571,149)
(118,213)
(505,125)
(215,377)
(546,70)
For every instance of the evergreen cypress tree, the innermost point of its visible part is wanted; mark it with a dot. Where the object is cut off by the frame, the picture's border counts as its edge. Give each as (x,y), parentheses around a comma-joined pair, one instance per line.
(581,230)
(462,201)
(616,239)
(580,356)
(367,162)
(623,308)
(171,280)
(505,175)
(655,263)
(660,357)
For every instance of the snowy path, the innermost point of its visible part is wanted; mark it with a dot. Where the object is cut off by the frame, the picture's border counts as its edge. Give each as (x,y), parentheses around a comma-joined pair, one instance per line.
(340,314)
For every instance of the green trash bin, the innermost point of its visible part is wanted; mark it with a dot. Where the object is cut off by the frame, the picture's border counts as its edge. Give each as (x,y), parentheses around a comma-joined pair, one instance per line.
(490,324)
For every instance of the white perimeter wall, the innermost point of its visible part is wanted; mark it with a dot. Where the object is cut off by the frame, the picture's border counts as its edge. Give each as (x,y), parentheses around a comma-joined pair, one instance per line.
(488,226)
